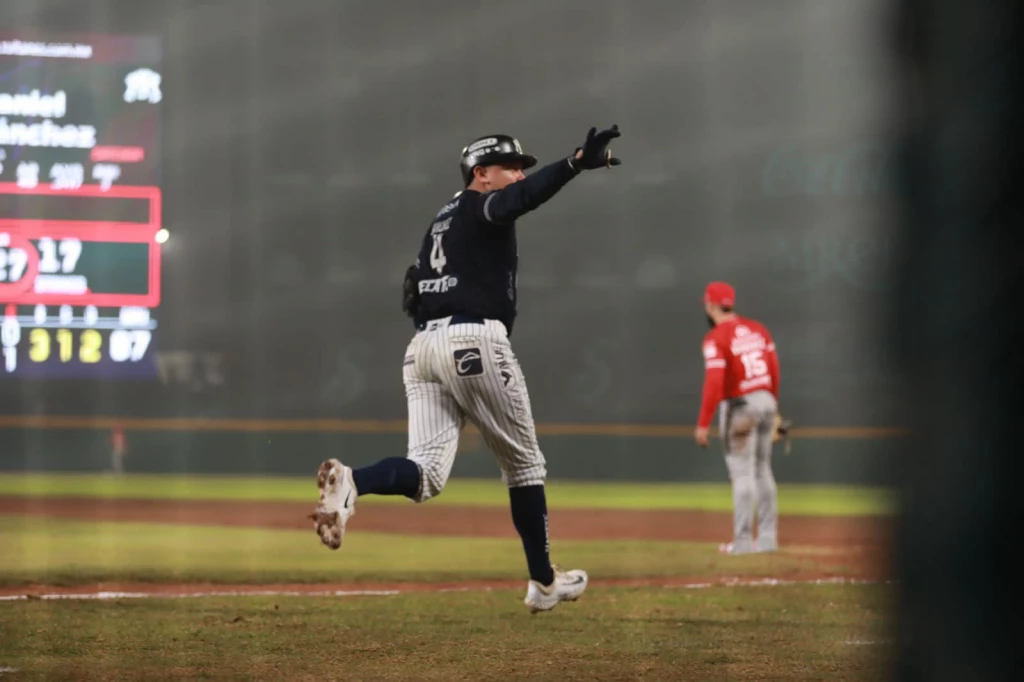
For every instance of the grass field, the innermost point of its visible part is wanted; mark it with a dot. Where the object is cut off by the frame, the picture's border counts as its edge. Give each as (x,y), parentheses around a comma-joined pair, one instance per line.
(796,633)
(639,619)
(793,499)
(77,552)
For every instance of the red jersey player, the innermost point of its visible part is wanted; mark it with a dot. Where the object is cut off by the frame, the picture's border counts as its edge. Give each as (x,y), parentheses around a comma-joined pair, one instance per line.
(741,376)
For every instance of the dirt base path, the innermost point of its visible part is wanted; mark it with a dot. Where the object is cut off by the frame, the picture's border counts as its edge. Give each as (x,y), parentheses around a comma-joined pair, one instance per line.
(427,519)
(858,545)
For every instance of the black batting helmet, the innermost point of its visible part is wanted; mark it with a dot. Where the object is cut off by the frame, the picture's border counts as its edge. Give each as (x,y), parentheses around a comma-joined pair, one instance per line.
(492,149)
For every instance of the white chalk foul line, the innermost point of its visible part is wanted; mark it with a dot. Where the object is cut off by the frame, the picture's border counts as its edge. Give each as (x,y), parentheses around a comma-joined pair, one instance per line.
(193,595)
(775,582)
(727,582)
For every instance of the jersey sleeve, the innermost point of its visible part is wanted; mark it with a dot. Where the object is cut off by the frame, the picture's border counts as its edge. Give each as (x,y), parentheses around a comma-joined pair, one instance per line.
(773,367)
(504,206)
(714,381)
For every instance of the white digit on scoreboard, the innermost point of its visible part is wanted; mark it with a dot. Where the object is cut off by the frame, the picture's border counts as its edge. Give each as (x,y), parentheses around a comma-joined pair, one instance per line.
(10,331)
(120,345)
(141,337)
(69,250)
(12,264)
(28,174)
(10,337)
(106,173)
(129,345)
(47,255)
(67,175)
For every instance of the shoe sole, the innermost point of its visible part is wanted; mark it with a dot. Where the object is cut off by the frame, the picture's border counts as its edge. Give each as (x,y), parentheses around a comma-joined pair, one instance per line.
(537,609)
(729,550)
(328,524)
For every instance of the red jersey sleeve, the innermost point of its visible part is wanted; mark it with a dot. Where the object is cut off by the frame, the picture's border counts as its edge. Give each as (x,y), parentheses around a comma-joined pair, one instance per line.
(773,365)
(714,381)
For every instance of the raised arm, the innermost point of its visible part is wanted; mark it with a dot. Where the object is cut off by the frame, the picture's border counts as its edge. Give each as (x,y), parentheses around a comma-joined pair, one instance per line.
(504,206)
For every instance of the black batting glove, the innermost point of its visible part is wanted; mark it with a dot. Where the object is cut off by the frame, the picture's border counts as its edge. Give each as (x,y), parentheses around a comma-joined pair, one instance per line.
(595,153)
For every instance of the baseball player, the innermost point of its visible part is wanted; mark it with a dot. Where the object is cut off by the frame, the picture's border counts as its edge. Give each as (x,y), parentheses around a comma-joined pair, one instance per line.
(459,365)
(741,378)
(118,444)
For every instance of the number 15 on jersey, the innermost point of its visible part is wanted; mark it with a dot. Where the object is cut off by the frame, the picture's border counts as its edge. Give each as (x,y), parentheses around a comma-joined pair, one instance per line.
(754,364)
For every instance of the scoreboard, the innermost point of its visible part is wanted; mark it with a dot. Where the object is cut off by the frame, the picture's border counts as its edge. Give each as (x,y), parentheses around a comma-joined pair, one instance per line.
(80,206)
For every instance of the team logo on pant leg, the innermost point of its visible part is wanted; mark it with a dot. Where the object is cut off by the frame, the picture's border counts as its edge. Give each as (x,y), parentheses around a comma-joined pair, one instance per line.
(468,362)
(508,377)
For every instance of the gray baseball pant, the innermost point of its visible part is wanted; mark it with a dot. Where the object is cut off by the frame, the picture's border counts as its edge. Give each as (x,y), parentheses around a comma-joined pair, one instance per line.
(746,425)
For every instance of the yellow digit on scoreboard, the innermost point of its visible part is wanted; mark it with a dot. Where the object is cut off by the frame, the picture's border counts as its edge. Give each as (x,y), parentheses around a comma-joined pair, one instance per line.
(65,344)
(89,346)
(40,345)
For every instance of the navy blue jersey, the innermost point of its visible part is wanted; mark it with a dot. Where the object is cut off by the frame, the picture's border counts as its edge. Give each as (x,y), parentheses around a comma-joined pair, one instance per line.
(468,262)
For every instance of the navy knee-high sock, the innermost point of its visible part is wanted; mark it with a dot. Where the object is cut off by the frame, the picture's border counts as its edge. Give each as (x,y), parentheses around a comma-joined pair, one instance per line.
(391,476)
(530,516)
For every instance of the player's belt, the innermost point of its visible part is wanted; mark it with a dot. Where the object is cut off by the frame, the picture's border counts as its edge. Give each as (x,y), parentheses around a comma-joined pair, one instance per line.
(455,319)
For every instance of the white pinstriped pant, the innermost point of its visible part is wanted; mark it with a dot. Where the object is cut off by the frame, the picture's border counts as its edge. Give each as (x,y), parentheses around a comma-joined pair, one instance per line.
(468,371)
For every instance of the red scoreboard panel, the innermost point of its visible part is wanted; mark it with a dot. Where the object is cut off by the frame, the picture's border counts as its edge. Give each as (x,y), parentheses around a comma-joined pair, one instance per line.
(80,206)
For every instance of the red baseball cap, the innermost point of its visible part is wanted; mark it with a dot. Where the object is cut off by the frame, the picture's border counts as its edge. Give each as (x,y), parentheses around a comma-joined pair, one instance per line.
(721,294)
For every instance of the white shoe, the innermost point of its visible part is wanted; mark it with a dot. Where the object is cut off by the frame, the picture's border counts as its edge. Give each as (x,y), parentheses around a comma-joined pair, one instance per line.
(337,502)
(736,548)
(568,586)
(766,545)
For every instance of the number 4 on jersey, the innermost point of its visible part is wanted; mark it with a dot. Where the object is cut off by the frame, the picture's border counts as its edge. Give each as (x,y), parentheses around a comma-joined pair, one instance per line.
(437,257)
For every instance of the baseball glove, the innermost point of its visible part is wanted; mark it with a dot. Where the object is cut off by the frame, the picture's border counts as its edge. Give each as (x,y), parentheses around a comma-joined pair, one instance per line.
(410,293)
(781,430)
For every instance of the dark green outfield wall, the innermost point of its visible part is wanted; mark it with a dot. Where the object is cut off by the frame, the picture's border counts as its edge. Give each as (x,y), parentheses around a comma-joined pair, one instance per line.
(297,197)
(846,461)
